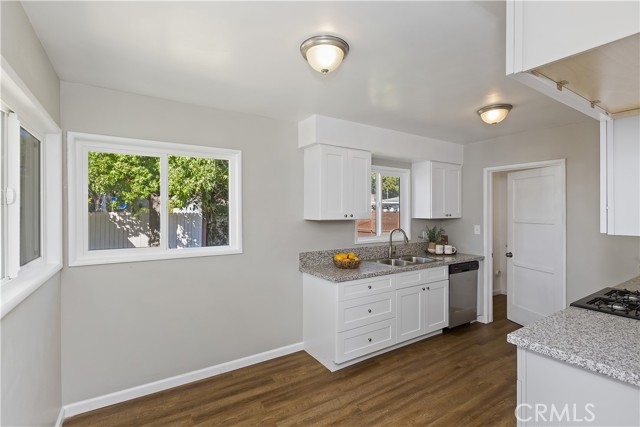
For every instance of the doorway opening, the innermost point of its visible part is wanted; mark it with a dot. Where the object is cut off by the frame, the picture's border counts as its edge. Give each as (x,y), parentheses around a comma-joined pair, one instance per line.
(496,193)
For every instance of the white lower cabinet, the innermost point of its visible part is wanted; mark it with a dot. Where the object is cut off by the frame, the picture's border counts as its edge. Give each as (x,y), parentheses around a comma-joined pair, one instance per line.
(344,323)
(422,309)
(554,393)
(437,303)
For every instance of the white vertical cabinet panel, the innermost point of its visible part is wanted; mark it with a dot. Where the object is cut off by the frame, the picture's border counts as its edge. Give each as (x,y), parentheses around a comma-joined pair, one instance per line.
(360,175)
(410,321)
(436,190)
(437,306)
(453,191)
(337,183)
(335,193)
(621,145)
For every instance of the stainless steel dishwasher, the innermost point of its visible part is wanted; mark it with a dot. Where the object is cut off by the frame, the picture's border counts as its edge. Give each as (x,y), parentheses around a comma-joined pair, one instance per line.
(463,293)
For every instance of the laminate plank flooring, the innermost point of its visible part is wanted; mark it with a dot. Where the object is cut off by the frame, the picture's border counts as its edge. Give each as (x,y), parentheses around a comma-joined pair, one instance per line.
(464,377)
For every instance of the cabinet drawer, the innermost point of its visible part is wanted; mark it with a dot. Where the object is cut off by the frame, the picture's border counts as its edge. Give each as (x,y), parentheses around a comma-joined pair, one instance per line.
(419,277)
(364,311)
(364,287)
(435,274)
(367,339)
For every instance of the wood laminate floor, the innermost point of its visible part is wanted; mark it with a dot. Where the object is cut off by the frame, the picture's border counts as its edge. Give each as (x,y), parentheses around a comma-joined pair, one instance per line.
(464,377)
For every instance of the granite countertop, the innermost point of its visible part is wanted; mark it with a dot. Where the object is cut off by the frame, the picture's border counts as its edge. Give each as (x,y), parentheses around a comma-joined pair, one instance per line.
(599,342)
(368,268)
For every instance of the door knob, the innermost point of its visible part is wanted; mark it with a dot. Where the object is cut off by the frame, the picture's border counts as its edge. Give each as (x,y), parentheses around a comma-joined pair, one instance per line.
(509,255)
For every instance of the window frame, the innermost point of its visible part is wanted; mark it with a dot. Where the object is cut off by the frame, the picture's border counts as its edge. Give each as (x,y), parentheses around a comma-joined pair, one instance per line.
(22,281)
(78,147)
(405,205)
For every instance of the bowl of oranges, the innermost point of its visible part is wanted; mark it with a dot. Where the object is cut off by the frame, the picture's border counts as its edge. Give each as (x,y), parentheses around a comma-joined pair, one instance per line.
(348,260)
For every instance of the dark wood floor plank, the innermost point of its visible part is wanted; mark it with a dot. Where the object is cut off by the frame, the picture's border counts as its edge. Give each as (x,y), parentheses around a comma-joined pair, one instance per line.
(464,377)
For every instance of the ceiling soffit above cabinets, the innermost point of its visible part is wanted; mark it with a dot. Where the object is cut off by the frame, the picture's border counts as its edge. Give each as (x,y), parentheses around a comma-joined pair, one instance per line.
(608,75)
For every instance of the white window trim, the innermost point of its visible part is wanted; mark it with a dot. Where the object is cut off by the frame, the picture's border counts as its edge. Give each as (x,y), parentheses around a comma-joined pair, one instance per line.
(405,208)
(78,147)
(17,97)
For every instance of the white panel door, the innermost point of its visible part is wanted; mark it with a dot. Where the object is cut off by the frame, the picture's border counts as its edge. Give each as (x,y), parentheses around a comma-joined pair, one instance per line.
(360,176)
(410,320)
(437,306)
(535,263)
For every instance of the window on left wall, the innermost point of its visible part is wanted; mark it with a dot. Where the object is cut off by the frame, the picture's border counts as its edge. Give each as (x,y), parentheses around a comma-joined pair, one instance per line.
(21,212)
(135,200)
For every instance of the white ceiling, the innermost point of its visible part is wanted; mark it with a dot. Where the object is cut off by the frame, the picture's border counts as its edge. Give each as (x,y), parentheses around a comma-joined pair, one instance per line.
(418,67)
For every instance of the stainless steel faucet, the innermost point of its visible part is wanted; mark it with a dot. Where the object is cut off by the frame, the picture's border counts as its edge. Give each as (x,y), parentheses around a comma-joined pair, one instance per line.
(406,240)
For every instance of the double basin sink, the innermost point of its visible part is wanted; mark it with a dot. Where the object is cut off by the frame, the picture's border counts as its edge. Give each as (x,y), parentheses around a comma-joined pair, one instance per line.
(404,261)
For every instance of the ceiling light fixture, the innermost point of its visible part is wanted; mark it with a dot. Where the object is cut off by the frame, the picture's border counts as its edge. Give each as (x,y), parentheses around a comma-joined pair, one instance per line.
(495,113)
(324,53)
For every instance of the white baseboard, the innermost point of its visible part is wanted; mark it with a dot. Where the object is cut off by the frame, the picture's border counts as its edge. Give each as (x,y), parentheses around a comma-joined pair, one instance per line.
(142,390)
(60,419)
(499,292)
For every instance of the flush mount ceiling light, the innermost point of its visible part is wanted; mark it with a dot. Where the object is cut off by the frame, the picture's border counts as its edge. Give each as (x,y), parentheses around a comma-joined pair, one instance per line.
(494,114)
(324,53)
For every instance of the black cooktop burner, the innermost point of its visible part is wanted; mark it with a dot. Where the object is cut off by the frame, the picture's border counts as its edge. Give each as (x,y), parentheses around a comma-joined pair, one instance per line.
(620,302)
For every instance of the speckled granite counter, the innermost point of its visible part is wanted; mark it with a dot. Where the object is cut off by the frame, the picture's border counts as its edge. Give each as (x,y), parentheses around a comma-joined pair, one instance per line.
(599,342)
(319,263)
(631,285)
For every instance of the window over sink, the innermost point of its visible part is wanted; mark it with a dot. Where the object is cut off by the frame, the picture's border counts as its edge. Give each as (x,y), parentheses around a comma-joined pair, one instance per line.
(389,205)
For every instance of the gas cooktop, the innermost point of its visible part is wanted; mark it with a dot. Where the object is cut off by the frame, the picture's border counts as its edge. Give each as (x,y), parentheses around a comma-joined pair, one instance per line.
(620,302)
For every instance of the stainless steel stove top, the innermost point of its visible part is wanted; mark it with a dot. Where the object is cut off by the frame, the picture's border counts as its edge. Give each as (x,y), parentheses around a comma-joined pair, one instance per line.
(619,302)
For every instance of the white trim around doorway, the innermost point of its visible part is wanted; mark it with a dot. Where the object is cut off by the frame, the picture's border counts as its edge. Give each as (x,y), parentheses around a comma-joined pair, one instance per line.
(487,218)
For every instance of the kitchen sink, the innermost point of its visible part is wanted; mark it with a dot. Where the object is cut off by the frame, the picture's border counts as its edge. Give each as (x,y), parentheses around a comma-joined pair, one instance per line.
(395,262)
(404,261)
(417,259)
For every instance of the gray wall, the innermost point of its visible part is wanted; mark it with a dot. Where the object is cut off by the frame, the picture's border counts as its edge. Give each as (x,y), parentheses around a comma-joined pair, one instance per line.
(23,51)
(594,260)
(130,324)
(31,374)
(31,359)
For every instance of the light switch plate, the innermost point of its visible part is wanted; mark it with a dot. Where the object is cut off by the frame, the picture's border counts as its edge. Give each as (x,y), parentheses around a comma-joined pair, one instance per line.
(476,229)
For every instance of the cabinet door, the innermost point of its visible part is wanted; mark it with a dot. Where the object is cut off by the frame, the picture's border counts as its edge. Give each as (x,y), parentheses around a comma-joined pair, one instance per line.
(622,174)
(438,190)
(335,185)
(437,306)
(410,315)
(452,191)
(359,194)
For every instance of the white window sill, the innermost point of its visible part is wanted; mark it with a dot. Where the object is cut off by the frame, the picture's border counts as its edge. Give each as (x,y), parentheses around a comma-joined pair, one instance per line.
(16,290)
(397,238)
(118,256)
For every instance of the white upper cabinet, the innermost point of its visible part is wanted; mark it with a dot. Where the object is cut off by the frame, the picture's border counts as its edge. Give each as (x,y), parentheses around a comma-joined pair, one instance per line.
(584,54)
(337,183)
(541,32)
(620,176)
(436,190)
